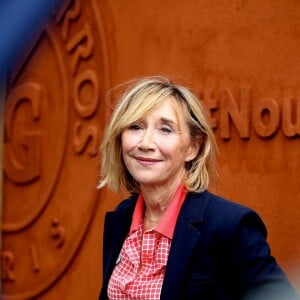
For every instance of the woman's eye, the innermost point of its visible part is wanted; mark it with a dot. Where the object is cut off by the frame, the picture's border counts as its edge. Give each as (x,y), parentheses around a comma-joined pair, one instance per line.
(134,127)
(166,129)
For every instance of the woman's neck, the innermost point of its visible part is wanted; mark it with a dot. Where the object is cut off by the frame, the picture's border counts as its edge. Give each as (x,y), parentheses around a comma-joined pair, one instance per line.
(157,200)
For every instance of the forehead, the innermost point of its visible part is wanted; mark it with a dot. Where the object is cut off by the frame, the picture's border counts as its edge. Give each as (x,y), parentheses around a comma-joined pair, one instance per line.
(168,105)
(170,108)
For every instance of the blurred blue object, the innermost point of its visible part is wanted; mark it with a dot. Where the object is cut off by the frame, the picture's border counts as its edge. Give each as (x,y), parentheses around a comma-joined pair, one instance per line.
(20,20)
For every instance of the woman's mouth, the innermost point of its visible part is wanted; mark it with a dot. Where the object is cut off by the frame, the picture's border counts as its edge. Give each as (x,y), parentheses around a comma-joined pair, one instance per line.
(147,161)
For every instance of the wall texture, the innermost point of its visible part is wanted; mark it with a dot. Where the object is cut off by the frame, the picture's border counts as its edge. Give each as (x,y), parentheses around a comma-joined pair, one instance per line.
(240,57)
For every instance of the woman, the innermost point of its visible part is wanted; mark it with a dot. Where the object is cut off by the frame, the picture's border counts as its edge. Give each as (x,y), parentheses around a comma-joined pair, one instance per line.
(172,239)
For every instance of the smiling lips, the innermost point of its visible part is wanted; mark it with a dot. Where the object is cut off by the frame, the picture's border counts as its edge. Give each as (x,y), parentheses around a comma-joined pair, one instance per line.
(146,161)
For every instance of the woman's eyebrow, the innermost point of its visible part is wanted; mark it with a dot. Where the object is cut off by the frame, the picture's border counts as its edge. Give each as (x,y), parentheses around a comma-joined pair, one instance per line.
(169,122)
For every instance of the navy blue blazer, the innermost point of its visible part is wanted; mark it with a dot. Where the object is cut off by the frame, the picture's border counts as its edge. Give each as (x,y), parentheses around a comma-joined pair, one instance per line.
(218,252)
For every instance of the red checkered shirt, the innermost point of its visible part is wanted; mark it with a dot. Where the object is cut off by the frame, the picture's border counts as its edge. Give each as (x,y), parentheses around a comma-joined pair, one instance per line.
(140,268)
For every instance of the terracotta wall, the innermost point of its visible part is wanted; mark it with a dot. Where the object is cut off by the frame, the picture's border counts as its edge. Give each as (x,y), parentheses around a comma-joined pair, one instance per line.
(240,57)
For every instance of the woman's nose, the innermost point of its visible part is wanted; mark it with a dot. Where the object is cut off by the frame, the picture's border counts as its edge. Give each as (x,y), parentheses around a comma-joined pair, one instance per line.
(147,139)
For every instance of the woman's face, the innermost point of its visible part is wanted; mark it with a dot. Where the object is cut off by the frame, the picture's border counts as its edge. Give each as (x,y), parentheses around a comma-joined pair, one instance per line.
(156,147)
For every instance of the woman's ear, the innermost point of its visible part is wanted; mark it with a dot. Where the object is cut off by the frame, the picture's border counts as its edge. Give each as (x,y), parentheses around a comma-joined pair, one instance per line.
(194,148)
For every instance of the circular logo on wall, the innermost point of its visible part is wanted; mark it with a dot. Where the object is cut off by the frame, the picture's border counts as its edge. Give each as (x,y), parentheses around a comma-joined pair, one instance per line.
(53,128)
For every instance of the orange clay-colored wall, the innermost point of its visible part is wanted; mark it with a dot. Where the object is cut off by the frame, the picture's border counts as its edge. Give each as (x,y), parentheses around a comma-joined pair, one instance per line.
(241,58)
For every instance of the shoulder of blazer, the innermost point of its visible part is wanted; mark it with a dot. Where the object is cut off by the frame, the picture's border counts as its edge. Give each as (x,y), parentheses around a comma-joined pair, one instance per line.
(218,213)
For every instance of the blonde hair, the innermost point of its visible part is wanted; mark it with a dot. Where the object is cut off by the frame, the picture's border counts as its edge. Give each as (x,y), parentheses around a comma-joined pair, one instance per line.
(137,101)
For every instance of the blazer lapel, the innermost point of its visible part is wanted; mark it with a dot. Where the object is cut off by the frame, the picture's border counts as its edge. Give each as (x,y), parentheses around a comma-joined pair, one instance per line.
(185,239)
(117,226)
